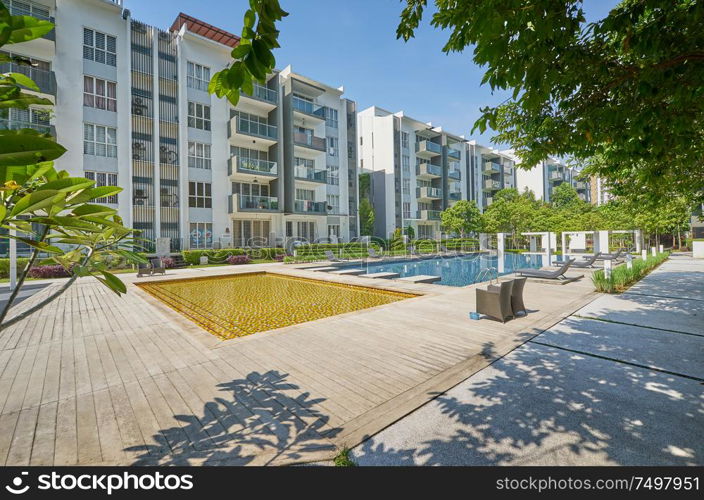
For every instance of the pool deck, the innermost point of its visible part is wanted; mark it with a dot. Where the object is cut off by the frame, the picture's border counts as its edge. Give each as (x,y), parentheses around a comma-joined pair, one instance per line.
(97,379)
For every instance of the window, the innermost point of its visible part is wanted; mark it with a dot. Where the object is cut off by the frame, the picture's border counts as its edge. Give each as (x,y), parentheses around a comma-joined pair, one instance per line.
(100,94)
(404,140)
(305,194)
(406,210)
(331,117)
(201,235)
(198,115)
(198,155)
(334,202)
(334,230)
(99,47)
(24,8)
(406,164)
(103,179)
(198,76)
(407,187)
(333,143)
(99,140)
(199,195)
(333,175)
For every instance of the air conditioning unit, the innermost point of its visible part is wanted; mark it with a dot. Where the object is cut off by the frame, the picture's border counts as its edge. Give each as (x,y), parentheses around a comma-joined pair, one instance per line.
(137,145)
(137,100)
(137,111)
(136,156)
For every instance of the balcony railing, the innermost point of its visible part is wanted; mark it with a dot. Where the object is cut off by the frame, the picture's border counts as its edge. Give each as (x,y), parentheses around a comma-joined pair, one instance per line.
(264,94)
(428,192)
(250,127)
(454,174)
(428,147)
(455,195)
(491,185)
(8,124)
(309,141)
(257,202)
(453,154)
(308,107)
(45,80)
(430,214)
(252,166)
(311,174)
(428,170)
(310,207)
(491,167)
(556,175)
(580,185)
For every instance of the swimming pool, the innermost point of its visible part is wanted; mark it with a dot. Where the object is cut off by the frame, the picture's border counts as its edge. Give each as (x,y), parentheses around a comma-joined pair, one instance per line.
(241,304)
(456,271)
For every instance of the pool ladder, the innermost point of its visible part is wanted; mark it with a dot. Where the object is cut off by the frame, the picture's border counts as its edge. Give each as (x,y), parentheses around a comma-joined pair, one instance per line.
(487,272)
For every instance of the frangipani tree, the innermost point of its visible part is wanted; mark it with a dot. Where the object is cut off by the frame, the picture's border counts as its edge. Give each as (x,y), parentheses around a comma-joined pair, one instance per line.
(56,214)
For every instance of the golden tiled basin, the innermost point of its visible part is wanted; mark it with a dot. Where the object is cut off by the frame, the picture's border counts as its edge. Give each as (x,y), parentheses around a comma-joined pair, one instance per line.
(238,305)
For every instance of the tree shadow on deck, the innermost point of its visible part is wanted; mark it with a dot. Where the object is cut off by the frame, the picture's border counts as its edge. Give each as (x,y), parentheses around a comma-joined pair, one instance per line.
(264,418)
(544,406)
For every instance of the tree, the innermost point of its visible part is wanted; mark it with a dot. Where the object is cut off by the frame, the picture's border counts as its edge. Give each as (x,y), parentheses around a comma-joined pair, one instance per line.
(510,212)
(565,196)
(463,217)
(52,212)
(624,95)
(366,217)
(410,232)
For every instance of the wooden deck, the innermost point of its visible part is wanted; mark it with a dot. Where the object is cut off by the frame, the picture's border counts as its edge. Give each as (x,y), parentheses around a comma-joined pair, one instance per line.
(96,379)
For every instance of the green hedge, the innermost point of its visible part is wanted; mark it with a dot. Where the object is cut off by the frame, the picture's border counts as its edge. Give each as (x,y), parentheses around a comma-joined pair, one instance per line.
(622,277)
(220,256)
(5,266)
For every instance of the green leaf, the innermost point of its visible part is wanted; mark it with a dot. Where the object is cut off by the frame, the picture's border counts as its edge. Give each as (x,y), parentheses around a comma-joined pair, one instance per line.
(24,80)
(249,18)
(113,283)
(25,28)
(240,51)
(41,245)
(92,210)
(23,101)
(3,212)
(35,201)
(21,147)
(93,193)
(68,185)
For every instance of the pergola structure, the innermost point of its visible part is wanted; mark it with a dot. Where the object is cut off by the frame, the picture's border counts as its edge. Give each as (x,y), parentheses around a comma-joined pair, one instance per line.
(542,243)
(575,242)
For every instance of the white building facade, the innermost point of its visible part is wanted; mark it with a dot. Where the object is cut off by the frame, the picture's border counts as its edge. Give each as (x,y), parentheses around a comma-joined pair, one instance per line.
(132,109)
(543,178)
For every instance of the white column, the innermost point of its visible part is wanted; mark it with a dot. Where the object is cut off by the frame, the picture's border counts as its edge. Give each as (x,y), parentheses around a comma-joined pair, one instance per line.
(500,245)
(603,241)
(13,261)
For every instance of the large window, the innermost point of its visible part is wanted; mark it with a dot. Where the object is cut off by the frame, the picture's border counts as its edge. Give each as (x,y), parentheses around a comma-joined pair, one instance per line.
(198,115)
(199,195)
(26,8)
(103,179)
(201,235)
(198,76)
(100,94)
(331,117)
(198,155)
(404,140)
(333,144)
(99,47)
(99,140)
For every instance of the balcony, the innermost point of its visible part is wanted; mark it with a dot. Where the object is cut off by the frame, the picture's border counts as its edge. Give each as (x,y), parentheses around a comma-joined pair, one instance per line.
(453,154)
(263,94)
(250,128)
(10,124)
(508,170)
(310,174)
(310,207)
(454,174)
(45,80)
(491,168)
(308,108)
(491,185)
(34,9)
(430,214)
(428,193)
(455,195)
(556,175)
(428,171)
(581,185)
(427,149)
(309,141)
(251,167)
(241,203)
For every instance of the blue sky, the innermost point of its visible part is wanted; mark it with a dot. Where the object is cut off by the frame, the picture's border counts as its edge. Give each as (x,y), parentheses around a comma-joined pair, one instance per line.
(353,43)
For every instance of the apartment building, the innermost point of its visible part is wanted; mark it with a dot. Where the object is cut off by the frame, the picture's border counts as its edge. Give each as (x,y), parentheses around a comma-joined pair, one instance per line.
(417,170)
(491,171)
(132,109)
(599,191)
(543,178)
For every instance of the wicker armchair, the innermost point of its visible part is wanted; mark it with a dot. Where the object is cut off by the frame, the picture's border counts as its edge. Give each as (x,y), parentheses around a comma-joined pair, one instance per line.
(496,301)
(516,296)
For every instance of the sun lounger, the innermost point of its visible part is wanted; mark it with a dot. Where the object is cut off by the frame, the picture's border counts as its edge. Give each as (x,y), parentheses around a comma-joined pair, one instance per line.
(584,264)
(611,256)
(373,253)
(331,257)
(559,274)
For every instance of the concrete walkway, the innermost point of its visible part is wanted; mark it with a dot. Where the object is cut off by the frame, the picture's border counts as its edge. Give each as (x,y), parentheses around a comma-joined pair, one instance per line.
(617,383)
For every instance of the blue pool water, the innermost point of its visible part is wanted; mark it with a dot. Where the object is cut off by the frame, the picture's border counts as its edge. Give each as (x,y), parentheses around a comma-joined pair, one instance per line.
(456,271)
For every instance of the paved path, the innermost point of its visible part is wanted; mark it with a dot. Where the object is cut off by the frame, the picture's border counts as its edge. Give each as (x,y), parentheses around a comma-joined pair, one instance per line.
(620,382)
(97,379)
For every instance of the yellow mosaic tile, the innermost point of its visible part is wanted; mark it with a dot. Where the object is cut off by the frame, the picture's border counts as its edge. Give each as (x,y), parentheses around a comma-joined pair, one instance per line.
(238,305)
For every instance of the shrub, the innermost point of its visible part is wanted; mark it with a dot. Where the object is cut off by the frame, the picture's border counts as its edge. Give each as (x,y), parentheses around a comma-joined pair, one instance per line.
(279,257)
(46,272)
(238,259)
(192,257)
(622,277)
(167,262)
(5,266)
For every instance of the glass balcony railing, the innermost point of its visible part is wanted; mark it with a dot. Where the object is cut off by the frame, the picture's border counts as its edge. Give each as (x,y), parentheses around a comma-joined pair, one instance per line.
(309,141)
(308,107)
(9,124)
(252,166)
(454,174)
(492,185)
(45,79)
(430,214)
(310,174)
(264,94)
(455,195)
(310,207)
(428,170)
(556,175)
(257,129)
(428,192)
(453,154)
(428,147)
(491,167)
(258,203)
